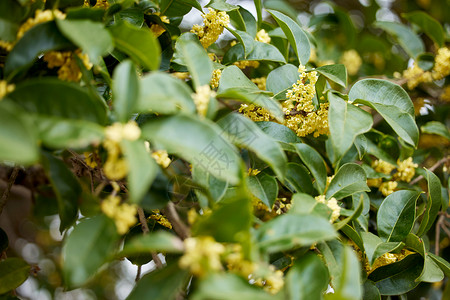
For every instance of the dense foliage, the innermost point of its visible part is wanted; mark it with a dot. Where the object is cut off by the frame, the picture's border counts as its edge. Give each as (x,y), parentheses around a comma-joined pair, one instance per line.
(295,152)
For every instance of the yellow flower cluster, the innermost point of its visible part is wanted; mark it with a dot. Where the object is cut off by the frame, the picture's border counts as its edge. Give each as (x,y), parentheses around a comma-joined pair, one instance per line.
(158,217)
(386,259)
(333,205)
(5,88)
(260,82)
(202,98)
(282,204)
(124,215)
(6,45)
(89,159)
(255,113)
(262,36)
(116,166)
(382,166)
(273,282)
(215,78)
(388,187)
(162,158)
(374,182)
(68,67)
(445,96)
(214,23)
(180,75)
(253,172)
(242,64)
(406,170)
(415,75)
(202,254)
(352,61)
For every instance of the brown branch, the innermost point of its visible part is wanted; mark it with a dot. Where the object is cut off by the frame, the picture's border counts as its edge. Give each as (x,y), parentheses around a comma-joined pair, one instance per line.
(146,230)
(178,226)
(438,234)
(7,191)
(434,167)
(138,273)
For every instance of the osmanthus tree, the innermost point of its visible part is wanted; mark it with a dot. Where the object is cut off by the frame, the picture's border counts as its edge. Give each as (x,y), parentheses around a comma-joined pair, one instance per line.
(285,162)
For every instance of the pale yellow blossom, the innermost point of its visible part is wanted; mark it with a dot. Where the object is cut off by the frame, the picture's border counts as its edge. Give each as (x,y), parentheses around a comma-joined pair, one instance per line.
(388,187)
(124,215)
(406,170)
(213,24)
(352,61)
(5,88)
(202,255)
(202,98)
(162,158)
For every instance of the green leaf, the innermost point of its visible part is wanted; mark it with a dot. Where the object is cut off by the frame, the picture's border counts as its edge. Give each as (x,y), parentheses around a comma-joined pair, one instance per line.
(434,203)
(258,6)
(264,187)
(399,277)
(442,263)
(51,97)
(279,132)
(39,39)
(315,163)
(13,272)
(435,127)
(191,53)
(336,73)
(162,93)
(375,247)
(295,35)
(349,179)
(87,248)
(216,188)
(161,284)
(198,142)
(243,132)
(299,178)
(371,291)
(233,77)
(428,24)
(354,214)
(176,8)
(247,41)
(407,39)
(353,235)
(132,15)
(332,252)
(18,138)
(348,286)
(431,271)
(391,102)
(125,90)
(57,133)
(282,78)
(396,215)
(221,5)
(305,204)
(8,30)
(138,43)
(159,241)
(346,122)
(91,37)
(66,187)
(306,279)
(143,169)
(228,286)
(261,52)
(288,231)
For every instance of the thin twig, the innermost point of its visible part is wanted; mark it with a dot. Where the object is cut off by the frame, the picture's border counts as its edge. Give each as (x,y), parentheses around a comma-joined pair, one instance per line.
(7,191)
(447,231)
(434,167)
(438,234)
(146,230)
(138,273)
(180,228)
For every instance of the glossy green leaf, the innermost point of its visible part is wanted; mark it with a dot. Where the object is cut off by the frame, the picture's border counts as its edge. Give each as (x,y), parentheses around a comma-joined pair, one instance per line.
(228,286)
(125,90)
(299,178)
(399,277)
(305,204)
(56,98)
(18,137)
(391,102)
(407,39)
(159,241)
(215,187)
(195,58)
(199,142)
(375,247)
(8,30)
(434,203)
(87,248)
(233,77)
(247,41)
(279,132)
(261,52)
(442,263)
(41,38)
(56,133)
(346,122)
(396,215)
(221,5)
(13,272)
(353,235)
(162,93)
(143,169)
(288,231)
(315,163)
(336,73)
(435,127)
(332,252)
(178,7)
(295,35)
(349,179)
(138,43)
(371,291)
(258,6)
(264,187)
(91,37)
(243,132)
(306,279)
(282,78)
(428,24)
(66,187)
(431,271)
(348,286)
(163,284)
(354,214)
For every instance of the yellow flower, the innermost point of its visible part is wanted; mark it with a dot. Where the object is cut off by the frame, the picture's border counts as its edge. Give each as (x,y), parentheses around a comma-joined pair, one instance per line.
(441,67)
(89,158)
(5,88)
(260,82)
(6,45)
(158,217)
(40,17)
(382,166)
(215,78)
(162,158)
(180,75)
(242,64)
(69,69)
(352,61)
(253,172)
(374,182)
(124,215)
(445,96)
(406,170)
(415,76)
(103,4)
(214,23)
(262,36)
(333,205)
(387,188)
(202,98)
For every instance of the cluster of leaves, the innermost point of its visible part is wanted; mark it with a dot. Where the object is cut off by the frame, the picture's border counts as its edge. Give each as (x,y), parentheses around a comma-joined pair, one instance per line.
(208,190)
